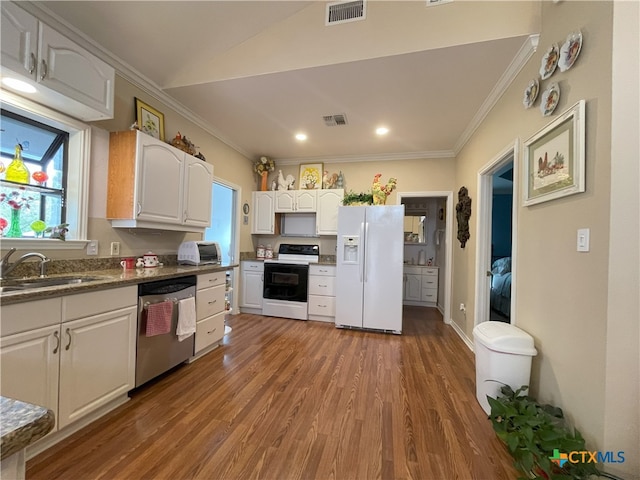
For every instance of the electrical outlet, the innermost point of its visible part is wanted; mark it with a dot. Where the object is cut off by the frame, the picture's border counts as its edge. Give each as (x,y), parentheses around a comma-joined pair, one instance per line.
(115,248)
(92,247)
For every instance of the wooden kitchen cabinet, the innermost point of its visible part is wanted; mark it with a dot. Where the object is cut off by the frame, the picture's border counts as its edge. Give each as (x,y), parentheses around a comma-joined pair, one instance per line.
(264,222)
(300,201)
(252,281)
(68,77)
(210,312)
(327,211)
(154,185)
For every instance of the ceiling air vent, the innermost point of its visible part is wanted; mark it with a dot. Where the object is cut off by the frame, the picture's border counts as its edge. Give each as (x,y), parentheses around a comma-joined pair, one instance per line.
(335,120)
(343,12)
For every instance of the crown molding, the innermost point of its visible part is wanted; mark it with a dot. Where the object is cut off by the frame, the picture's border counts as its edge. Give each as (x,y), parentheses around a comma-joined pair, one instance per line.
(377,157)
(528,48)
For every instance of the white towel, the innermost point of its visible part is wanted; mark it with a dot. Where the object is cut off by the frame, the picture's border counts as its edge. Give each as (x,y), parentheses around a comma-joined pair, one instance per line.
(186,318)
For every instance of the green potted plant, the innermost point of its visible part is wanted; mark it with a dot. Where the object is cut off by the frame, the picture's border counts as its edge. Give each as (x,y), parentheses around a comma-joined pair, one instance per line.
(353,198)
(535,434)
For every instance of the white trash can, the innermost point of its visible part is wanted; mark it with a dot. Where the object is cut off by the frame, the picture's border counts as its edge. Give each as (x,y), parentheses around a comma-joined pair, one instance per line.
(503,356)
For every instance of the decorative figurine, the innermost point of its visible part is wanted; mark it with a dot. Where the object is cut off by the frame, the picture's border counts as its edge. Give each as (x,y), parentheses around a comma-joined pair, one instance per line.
(463,213)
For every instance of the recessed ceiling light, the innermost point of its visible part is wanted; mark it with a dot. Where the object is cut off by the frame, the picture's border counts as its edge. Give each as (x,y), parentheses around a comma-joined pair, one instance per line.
(301,137)
(382,131)
(19,85)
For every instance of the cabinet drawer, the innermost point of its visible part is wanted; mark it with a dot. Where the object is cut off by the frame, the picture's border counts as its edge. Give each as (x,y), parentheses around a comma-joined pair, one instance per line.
(429,281)
(22,317)
(319,305)
(430,295)
(252,266)
(209,331)
(87,304)
(323,270)
(412,270)
(430,271)
(207,280)
(210,301)
(319,285)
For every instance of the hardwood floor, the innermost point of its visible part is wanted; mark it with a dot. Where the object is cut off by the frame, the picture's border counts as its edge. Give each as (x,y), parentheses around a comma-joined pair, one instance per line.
(286,399)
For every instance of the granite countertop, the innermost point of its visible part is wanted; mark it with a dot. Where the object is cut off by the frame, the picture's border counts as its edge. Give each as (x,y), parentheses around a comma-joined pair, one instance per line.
(22,424)
(106,279)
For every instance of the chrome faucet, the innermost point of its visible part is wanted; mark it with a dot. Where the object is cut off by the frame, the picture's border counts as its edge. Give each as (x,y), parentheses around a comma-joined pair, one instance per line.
(6,268)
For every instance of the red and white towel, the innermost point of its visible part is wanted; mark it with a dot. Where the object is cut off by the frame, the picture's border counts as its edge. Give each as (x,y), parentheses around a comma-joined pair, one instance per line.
(159,318)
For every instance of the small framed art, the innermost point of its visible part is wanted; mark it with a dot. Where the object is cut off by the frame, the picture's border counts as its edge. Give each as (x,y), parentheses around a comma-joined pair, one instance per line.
(554,158)
(149,120)
(310,176)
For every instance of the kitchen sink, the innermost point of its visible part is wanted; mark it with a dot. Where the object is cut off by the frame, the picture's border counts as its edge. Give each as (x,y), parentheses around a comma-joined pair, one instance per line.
(24,284)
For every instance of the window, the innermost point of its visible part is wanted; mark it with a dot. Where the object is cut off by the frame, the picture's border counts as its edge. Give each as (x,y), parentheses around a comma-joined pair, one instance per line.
(40,202)
(54,144)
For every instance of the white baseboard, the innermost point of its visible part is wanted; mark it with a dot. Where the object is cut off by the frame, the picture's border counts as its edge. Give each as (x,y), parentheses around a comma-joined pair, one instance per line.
(462,335)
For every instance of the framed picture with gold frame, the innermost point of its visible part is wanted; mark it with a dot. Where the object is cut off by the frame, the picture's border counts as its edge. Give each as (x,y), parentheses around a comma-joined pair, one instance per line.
(149,120)
(310,176)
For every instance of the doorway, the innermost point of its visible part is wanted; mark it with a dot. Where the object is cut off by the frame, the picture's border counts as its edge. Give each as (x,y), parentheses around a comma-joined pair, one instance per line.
(497,231)
(434,234)
(225,226)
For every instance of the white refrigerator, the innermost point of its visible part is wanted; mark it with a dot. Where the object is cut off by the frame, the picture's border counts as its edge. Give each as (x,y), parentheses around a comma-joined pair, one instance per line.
(369,275)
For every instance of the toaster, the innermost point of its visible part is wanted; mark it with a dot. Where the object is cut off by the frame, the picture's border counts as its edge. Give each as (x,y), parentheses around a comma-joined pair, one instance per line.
(199,253)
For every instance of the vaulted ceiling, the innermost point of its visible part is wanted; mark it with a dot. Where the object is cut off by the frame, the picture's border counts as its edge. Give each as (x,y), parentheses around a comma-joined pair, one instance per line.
(257,72)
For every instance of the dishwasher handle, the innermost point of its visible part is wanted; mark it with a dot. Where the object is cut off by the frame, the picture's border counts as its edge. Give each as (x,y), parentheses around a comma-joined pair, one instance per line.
(166,287)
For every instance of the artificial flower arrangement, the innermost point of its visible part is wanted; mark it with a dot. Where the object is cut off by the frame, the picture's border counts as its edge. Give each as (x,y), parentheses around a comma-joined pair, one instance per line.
(263,165)
(17,199)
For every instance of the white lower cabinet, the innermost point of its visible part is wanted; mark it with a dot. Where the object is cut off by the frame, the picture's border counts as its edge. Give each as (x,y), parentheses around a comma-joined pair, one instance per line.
(420,285)
(210,311)
(78,364)
(322,293)
(252,274)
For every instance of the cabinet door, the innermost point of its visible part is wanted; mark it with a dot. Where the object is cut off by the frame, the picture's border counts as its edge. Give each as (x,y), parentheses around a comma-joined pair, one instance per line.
(74,72)
(159,183)
(197,192)
(263,213)
(285,201)
(29,364)
(327,211)
(412,287)
(97,362)
(306,200)
(19,41)
(252,285)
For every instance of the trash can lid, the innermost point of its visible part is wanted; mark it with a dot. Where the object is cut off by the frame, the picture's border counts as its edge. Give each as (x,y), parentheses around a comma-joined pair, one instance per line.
(504,337)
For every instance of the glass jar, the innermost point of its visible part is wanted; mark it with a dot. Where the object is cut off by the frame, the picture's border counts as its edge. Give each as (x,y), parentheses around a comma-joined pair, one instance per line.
(260,252)
(268,252)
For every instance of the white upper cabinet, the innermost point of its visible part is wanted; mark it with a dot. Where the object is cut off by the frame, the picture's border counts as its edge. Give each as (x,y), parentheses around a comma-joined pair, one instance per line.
(263,213)
(288,201)
(68,77)
(327,217)
(154,185)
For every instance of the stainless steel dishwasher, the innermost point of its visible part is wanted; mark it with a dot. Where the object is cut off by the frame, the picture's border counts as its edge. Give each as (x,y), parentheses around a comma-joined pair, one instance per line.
(159,353)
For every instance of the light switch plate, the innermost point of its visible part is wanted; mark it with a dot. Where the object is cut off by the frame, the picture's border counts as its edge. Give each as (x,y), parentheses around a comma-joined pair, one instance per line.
(92,247)
(583,240)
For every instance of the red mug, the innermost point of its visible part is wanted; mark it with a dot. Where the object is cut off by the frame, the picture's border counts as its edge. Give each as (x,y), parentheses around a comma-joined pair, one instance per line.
(128,263)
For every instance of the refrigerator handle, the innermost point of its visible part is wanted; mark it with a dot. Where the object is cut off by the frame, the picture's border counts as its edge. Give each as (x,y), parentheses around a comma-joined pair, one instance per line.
(364,246)
(361,252)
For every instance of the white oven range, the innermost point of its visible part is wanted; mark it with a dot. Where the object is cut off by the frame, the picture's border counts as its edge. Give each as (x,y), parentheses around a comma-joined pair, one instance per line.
(286,280)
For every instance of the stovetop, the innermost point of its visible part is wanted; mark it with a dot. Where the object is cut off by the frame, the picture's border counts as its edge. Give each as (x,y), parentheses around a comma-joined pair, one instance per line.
(296,253)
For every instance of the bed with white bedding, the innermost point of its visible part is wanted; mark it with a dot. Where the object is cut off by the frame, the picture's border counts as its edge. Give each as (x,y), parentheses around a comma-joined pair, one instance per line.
(500,297)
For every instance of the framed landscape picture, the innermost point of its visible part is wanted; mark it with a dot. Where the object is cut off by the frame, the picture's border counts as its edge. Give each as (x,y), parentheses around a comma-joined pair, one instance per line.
(554,158)
(149,120)
(310,176)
